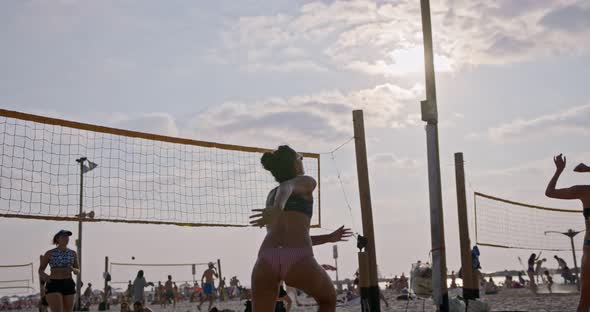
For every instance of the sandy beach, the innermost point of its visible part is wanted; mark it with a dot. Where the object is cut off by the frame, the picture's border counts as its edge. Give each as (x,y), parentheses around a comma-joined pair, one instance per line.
(564,299)
(505,300)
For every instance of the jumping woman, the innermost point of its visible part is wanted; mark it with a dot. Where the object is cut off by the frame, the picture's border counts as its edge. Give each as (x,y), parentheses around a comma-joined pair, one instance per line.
(60,288)
(286,252)
(582,193)
(531,271)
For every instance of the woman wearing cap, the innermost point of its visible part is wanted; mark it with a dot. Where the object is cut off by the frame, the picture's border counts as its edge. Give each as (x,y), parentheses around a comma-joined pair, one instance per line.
(286,253)
(60,288)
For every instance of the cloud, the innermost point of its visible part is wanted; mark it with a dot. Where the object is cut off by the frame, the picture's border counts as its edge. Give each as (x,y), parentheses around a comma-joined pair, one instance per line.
(321,117)
(318,121)
(536,169)
(572,120)
(388,161)
(158,123)
(291,66)
(385,39)
(571,18)
(451,120)
(506,44)
(401,62)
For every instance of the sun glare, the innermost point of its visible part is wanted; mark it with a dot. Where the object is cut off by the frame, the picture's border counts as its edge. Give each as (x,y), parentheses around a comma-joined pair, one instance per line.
(411,60)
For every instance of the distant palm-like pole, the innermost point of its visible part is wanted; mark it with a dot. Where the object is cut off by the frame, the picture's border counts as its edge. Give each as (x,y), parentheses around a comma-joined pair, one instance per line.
(571,234)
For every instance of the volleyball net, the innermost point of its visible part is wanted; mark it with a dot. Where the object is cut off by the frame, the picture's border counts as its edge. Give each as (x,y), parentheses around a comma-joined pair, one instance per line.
(16,278)
(129,176)
(182,273)
(509,224)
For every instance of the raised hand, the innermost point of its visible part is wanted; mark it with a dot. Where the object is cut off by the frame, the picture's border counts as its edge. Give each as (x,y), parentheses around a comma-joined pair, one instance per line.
(262,217)
(559,161)
(340,234)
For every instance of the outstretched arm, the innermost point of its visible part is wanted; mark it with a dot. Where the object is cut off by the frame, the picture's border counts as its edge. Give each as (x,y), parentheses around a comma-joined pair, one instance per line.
(339,235)
(321,239)
(564,193)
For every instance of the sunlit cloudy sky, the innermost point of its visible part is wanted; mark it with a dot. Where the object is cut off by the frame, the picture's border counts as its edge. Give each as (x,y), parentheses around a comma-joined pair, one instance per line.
(512,82)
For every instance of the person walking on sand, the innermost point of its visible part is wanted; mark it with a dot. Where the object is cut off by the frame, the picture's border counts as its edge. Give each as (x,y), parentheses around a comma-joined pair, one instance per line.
(169,292)
(60,288)
(129,292)
(207,280)
(139,285)
(286,252)
(581,193)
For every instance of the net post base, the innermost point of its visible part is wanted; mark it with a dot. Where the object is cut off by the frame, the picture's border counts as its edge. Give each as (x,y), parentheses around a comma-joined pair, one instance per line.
(470,294)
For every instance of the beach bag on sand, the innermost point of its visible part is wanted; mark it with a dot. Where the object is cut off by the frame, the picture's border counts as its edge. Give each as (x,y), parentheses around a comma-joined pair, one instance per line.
(456,305)
(421,279)
(477,306)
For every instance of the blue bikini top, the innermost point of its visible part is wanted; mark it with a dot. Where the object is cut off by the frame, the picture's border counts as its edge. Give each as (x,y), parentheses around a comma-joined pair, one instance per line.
(61,259)
(294,203)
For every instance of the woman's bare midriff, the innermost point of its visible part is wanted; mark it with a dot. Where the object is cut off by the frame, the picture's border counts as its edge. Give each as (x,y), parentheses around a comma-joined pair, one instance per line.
(290,230)
(56,274)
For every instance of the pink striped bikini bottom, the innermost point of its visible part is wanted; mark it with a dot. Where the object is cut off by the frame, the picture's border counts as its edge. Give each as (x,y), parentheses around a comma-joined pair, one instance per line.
(282,259)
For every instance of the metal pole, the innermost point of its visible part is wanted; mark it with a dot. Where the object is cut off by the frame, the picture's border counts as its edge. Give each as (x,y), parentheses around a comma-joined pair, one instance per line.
(469,291)
(106,282)
(430,115)
(194,272)
(571,235)
(337,280)
(372,290)
(79,244)
(335,255)
(41,286)
(220,277)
